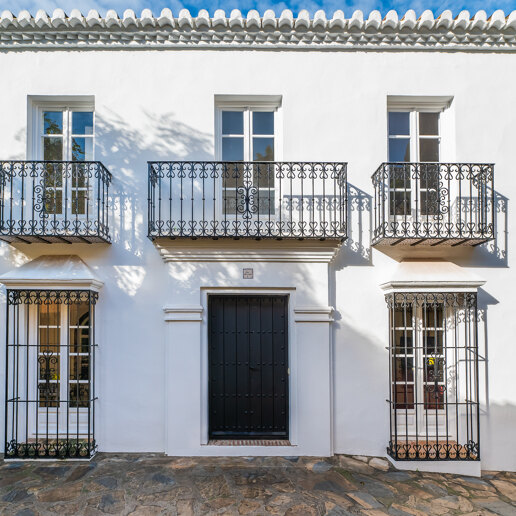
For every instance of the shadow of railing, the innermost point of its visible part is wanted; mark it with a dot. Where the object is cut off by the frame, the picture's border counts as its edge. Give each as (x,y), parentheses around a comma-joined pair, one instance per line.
(356,250)
(494,253)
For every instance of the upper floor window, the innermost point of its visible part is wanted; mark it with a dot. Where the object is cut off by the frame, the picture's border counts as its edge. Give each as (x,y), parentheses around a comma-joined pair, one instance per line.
(414,136)
(66,134)
(247,133)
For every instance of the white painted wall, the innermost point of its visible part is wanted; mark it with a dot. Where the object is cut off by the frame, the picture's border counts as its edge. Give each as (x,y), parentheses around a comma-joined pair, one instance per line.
(160,105)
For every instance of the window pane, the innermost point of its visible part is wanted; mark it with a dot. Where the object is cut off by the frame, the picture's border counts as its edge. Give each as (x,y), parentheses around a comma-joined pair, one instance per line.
(263,176)
(79,395)
(232,149)
(79,314)
(78,202)
(82,149)
(434,370)
(53,122)
(429,202)
(49,339)
(265,201)
(233,174)
(263,149)
(53,175)
(399,123)
(403,369)
(433,316)
(79,367)
(79,340)
(49,315)
(404,396)
(79,176)
(399,176)
(82,122)
(403,317)
(429,177)
(399,149)
(403,342)
(53,201)
(434,397)
(48,394)
(263,122)
(232,122)
(53,149)
(429,124)
(400,202)
(429,149)
(433,343)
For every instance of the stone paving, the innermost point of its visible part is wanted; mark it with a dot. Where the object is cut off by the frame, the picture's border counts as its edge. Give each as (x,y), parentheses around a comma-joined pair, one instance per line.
(153,484)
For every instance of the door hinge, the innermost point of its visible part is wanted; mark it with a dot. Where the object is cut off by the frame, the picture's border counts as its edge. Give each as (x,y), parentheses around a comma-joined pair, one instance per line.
(288,371)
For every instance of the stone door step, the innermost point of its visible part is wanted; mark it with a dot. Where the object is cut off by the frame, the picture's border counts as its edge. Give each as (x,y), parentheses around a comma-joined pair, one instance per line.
(249,442)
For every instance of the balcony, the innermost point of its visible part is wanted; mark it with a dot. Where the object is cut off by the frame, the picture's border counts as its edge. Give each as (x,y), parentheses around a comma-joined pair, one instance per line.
(433,204)
(208,199)
(54,201)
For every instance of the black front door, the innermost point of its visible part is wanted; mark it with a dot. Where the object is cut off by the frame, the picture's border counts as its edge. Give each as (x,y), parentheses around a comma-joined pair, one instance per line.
(248,367)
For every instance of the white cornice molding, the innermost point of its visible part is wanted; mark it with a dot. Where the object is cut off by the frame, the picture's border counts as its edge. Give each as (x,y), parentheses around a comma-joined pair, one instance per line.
(311,314)
(431,276)
(39,284)
(253,251)
(393,32)
(431,286)
(183,313)
(52,272)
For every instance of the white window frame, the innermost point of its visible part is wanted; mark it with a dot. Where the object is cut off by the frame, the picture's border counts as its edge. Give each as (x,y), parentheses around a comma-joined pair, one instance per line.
(51,416)
(247,104)
(37,106)
(435,426)
(414,137)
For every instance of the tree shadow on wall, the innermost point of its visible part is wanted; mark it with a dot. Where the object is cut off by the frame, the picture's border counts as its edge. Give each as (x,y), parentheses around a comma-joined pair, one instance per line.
(125,150)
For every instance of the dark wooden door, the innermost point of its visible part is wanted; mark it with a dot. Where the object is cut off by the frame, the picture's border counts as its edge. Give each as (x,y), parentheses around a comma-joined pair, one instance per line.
(248,367)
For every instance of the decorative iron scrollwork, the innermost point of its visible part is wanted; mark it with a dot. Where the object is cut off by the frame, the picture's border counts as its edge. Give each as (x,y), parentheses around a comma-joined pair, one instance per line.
(434,203)
(194,199)
(46,201)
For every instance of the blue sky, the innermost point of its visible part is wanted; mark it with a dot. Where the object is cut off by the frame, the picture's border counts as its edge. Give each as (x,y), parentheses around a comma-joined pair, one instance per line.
(348,6)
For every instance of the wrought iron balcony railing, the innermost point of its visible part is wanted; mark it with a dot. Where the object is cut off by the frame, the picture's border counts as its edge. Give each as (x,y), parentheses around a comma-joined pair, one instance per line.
(54,201)
(433,204)
(196,199)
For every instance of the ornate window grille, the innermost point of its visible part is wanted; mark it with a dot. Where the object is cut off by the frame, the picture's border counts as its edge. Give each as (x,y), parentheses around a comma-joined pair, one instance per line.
(433,376)
(50,379)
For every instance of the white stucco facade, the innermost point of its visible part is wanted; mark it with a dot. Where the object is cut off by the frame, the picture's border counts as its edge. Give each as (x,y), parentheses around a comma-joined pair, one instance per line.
(151,316)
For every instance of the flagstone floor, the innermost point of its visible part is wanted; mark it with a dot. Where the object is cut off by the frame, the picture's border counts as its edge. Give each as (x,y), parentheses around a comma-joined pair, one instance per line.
(152,485)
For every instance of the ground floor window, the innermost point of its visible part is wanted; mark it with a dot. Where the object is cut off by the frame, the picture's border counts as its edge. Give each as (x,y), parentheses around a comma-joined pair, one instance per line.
(50,374)
(434,410)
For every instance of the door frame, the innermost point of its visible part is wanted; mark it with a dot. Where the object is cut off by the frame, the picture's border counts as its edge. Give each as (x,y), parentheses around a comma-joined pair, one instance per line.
(292,353)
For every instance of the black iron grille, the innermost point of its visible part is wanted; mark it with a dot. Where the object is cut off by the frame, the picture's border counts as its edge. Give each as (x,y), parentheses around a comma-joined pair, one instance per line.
(197,199)
(433,348)
(54,201)
(433,203)
(50,374)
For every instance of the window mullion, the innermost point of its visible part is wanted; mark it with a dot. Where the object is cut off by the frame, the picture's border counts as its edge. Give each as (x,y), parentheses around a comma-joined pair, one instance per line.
(248,151)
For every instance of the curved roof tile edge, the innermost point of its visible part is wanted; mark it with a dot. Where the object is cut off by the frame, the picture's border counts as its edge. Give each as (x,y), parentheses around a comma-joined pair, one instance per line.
(76,31)
(464,21)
